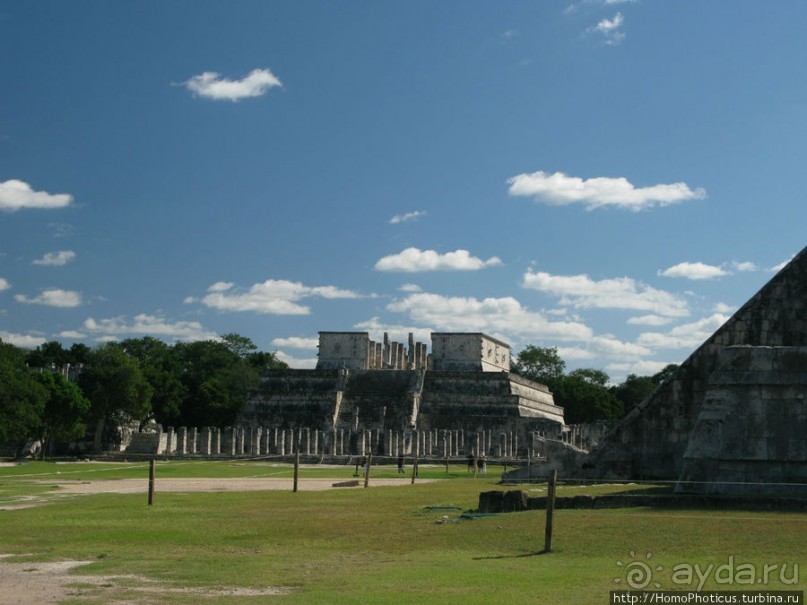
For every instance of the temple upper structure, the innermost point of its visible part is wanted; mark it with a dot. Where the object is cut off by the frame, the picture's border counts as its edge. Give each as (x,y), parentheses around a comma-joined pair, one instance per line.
(452,352)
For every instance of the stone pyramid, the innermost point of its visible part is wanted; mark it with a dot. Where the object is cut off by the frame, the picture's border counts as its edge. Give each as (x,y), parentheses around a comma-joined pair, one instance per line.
(725,414)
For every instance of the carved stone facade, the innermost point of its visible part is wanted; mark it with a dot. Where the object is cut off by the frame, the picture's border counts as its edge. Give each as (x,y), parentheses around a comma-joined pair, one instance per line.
(751,430)
(469,352)
(451,351)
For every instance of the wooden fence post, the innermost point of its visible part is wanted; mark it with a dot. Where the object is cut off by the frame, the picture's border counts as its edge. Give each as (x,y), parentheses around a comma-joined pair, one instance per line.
(367,473)
(152,465)
(550,510)
(296,467)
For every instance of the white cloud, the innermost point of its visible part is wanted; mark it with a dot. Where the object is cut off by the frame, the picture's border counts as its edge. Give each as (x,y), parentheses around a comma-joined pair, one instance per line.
(783,264)
(694,271)
(72,334)
(212,86)
(60,229)
(558,189)
(649,320)
(409,216)
(640,368)
(410,288)
(4,285)
(605,346)
(724,308)
(296,363)
(396,332)
(151,325)
(610,29)
(56,259)
(22,340)
(277,297)
(619,293)
(413,260)
(295,342)
(744,266)
(685,336)
(491,315)
(53,297)
(15,194)
(573,8)
(220,286)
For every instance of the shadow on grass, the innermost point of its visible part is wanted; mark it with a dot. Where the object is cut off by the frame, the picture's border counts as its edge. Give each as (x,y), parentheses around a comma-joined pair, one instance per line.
(529,554)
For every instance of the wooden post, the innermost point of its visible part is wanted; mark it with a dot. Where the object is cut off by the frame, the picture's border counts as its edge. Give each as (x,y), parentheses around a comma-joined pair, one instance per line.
(367,474)
(550,510)
(152,465)
(414,469)
(296,467)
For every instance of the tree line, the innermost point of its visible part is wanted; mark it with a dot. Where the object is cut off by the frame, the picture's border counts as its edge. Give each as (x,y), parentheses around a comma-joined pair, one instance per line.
(585,393)
(203,383)
(207,383)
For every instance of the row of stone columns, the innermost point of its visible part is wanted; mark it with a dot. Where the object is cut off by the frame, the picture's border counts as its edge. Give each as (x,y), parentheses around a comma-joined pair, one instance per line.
(259,441)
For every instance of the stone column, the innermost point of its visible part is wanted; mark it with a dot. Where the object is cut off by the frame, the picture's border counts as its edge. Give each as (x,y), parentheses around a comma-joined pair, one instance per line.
(256,441)
(265,441)
(192,437)
(170,441)
(182,441)
(215,444)
(204,441)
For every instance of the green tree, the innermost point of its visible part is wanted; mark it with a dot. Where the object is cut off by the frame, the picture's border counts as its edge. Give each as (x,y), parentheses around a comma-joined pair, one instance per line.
(162,368)
(633,391)
(48,355)
(541,364)
(239,345)
(217,382)
(263,361)
(65,410)
(584,401)
(22,398)
(80,353)
(665,373)
(116,389)
(592,376)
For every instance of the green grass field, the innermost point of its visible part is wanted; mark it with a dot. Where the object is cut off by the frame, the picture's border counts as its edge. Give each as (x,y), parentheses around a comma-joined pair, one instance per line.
(405,544)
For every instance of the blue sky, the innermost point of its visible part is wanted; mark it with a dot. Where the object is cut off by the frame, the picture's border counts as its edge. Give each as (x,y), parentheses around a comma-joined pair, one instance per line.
(613,178)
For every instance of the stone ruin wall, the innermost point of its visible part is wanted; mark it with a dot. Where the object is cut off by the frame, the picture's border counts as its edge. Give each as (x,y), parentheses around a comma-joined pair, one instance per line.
(751,432)
(650,442)
(262,442)
(403,401)
(355,351)
(474,352)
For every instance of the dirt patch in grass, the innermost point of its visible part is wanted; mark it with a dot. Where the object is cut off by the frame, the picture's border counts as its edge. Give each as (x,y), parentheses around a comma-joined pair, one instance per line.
(229,484)
(41,583)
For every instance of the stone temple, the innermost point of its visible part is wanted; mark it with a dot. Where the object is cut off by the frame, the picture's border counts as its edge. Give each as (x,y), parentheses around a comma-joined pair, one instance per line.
(732,419)
(397,398)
